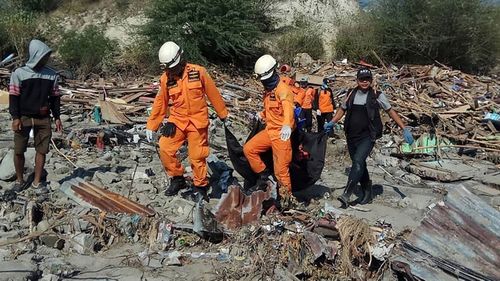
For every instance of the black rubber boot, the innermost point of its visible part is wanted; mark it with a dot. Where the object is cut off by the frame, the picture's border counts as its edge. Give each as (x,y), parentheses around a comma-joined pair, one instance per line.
(263,179)
(367,193)
(346,196)
(261,184)
(200,193)
(176,184)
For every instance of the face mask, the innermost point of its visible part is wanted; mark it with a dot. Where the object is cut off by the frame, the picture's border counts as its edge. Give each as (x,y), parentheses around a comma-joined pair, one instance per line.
(177,70)
(324,86)
(271,82)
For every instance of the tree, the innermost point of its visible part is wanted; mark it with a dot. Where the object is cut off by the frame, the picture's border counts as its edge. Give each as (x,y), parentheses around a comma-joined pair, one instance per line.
(17,28)
(226,31)
(460,33)
(86,51)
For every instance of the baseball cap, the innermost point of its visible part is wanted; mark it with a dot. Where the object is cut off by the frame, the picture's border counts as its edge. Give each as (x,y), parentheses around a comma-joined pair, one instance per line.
(364,73)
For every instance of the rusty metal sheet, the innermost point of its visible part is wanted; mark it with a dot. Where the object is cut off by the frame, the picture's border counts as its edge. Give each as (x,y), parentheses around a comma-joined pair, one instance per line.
(236,209)
(459,238)
(88,194)
(320,246)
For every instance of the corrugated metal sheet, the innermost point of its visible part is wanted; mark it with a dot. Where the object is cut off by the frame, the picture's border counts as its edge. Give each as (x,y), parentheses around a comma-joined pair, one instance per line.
(96,197)
(459,238)
(236,209)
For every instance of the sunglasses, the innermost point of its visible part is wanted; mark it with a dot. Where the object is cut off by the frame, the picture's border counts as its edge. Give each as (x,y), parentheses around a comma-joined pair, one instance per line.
(365,79)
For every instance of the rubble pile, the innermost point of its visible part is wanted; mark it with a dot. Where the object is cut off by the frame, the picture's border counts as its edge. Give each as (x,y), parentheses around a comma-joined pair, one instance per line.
(446,102)
(107,212)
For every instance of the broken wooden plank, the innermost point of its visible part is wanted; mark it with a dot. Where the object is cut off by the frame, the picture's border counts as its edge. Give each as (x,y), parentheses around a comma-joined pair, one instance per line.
(110,113)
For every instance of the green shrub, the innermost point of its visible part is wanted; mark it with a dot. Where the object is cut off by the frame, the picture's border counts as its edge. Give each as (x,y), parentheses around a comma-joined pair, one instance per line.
(122,5)
(226,31)
(137,59)
(356,41)
(4,42)
(38,5)
(301,40)
(86,52)
(18,27)
(461,33)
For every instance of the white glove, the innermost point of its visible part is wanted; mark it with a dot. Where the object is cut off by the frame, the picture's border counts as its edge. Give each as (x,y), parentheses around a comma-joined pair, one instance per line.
(318,112)
(286,132)
(149,135)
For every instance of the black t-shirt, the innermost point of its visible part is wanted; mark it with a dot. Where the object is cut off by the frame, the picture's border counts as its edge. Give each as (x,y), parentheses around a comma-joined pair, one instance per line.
(359,123)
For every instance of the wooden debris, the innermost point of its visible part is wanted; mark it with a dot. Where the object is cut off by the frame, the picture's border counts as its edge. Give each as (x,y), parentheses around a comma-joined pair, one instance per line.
(110,113)
(430,98)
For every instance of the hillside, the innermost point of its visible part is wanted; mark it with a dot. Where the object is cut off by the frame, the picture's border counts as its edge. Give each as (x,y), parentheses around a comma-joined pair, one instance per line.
(121,21)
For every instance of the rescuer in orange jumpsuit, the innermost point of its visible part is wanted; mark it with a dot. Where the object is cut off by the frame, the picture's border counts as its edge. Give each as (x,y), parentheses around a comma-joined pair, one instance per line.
(278,114)
(324,105)
(305,100)
(183,89)
(298,88)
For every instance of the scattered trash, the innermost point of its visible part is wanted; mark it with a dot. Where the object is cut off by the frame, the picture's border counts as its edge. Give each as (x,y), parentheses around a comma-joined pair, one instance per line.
(115,202)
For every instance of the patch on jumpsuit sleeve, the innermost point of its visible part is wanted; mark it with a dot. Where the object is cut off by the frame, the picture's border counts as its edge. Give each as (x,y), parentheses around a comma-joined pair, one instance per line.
(171,84)
(193,75)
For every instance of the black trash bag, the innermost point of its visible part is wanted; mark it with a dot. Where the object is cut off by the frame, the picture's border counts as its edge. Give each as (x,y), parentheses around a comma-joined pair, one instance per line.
(308,157)
(308,160)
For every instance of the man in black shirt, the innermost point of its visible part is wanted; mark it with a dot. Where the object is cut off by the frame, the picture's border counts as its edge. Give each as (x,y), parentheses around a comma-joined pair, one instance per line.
(362,127)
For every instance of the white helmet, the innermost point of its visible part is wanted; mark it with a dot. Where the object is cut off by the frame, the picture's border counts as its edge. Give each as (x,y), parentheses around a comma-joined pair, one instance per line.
(170,54)
(265,66)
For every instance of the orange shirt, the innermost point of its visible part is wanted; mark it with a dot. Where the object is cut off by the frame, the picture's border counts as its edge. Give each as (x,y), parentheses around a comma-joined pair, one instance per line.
(307,101)
(298,95)
(188,99)
(325,101)
(278,108)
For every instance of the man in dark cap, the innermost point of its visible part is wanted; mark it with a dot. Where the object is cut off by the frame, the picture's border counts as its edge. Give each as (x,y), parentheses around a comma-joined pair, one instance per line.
(363,127)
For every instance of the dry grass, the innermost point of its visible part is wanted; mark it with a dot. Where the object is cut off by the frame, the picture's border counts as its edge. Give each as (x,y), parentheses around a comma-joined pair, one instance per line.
(355,238)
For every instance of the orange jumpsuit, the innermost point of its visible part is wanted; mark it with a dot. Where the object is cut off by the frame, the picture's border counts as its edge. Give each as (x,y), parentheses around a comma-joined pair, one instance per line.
(298,92)
(306,98)
(185,99)
(278,111)
(325,101)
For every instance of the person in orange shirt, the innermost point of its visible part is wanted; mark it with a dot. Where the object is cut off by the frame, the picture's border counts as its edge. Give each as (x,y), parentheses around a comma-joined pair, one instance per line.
(298,88)
(298,93)
(324,105)
(278,115)
(305,100)
(183,91)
